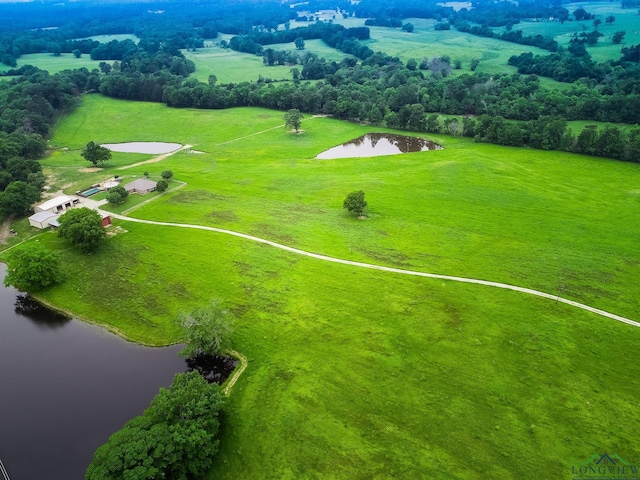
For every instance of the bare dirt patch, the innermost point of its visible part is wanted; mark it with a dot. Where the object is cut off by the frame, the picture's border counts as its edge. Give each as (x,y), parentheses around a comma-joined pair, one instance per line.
(5,229)
(90,169)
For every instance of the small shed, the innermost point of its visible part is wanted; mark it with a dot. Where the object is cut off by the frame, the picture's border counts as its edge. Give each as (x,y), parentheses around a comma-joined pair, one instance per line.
(106,219)
(141,185)
(55,205)
(41,220)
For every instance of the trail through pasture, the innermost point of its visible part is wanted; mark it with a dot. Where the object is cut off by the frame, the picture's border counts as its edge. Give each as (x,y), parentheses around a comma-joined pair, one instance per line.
(327,258)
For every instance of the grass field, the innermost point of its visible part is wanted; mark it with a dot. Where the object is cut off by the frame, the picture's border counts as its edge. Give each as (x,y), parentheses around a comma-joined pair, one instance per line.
(362,374)
(231,66)
(46,61)
(120,37)
(625,20)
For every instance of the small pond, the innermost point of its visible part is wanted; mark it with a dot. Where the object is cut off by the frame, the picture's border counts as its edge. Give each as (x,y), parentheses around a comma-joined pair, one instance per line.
(377,144)
(66,386)
(143,147)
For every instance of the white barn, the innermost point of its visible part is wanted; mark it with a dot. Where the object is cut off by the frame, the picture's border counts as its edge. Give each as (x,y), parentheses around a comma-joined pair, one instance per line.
(42,220)
(55,205)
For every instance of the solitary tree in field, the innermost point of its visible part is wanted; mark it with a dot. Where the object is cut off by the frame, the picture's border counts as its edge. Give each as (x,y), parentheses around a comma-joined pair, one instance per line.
(206,329)
(299,42)
(95,153)
(293,119)
(355,203)
(33,268)
(166,174)
(77,53)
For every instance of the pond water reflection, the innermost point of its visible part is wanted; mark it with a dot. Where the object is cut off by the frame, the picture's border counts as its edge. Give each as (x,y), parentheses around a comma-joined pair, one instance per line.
(143,147)
(66,386)
(377,144)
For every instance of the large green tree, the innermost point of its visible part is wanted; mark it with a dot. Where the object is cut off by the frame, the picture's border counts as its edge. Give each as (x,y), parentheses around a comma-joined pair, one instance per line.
(293,119)
(83,228)
(33,268)
(206,329)
(95,153)
(17,198)
(175,438)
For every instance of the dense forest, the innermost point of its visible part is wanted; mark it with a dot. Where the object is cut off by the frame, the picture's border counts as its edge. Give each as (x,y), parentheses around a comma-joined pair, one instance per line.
(367,86)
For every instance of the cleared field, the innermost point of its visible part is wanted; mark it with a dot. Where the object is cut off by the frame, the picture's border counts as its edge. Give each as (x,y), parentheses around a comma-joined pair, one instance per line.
(231,66)
(625,20)
(427,42)
(363,374)
(46,61)
(120,37)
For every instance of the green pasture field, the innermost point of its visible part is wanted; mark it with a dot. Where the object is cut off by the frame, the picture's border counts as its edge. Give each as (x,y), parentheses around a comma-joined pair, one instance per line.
(357,373)
(231,66)
(427,42)
(120,37)
(46,61)
(625,20)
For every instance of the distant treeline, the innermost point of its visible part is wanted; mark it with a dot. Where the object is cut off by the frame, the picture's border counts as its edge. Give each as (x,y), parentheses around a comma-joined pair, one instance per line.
(40,28)
(489,13)
(514,36)
(572,64)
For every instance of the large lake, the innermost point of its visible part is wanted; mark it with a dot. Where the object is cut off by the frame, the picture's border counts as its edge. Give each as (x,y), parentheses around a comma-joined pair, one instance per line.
(66,386)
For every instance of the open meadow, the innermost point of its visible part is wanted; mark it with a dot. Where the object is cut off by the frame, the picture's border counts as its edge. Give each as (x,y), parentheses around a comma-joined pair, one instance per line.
(626,19)
(231,66)
(356,373)
(53,64)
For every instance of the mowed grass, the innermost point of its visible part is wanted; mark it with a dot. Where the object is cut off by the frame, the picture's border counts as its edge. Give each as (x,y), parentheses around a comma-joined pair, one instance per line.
(355,373)
(46,61)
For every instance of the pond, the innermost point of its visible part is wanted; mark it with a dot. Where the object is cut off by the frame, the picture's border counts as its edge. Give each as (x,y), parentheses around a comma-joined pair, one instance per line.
(143,147)
(377,144)
(66,386)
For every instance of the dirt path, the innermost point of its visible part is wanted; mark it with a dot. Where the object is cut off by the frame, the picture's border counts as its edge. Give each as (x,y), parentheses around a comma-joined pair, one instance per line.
(237,372)
(156,159)
(326,258)
(5,229)
(264,131)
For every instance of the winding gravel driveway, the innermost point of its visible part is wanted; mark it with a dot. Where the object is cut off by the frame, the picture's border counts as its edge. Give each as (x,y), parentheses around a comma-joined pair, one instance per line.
(326,258)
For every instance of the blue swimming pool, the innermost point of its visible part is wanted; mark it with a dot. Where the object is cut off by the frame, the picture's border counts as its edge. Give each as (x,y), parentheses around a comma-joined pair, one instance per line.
(90,192)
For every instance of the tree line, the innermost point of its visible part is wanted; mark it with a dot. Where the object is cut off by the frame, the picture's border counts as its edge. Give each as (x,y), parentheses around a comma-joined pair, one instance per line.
(28,106)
